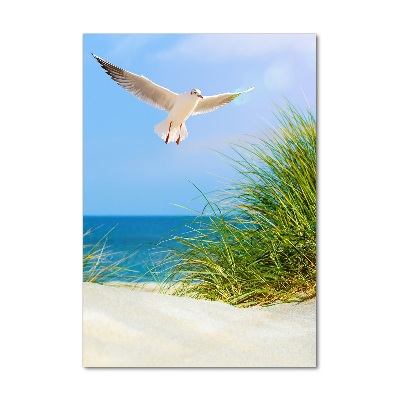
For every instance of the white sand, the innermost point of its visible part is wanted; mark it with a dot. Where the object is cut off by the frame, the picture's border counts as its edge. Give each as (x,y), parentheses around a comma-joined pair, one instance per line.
(129,328)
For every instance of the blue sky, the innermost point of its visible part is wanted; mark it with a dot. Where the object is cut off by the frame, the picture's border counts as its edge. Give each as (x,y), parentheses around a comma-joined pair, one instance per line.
(127,168)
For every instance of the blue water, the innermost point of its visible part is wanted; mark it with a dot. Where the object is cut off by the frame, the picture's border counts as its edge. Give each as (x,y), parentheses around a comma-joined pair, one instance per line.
(137,237)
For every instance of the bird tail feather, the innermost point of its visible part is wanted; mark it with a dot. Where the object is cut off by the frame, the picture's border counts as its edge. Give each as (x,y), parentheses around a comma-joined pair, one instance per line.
(174,131)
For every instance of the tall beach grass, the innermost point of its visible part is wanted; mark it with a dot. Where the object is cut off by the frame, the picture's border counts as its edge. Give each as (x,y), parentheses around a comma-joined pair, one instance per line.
(255,243)
(101,265)
(104,266)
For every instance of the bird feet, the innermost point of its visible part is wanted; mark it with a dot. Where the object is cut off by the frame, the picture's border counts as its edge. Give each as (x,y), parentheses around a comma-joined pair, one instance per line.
(179,138)
(169,130)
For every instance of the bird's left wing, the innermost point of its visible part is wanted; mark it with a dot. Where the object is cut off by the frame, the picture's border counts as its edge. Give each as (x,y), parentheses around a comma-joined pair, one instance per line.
(211,103)
(140,86)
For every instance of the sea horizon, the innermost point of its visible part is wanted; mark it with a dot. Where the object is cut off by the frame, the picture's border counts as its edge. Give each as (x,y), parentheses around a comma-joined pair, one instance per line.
(138,215)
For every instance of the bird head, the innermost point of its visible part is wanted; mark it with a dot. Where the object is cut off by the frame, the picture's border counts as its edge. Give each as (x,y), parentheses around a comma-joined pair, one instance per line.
(196,92)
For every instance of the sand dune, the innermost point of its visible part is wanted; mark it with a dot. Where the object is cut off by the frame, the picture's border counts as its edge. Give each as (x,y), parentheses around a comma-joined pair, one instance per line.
(130,328)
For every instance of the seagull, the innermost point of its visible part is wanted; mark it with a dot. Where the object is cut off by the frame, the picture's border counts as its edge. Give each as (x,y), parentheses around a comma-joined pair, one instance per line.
(179,106)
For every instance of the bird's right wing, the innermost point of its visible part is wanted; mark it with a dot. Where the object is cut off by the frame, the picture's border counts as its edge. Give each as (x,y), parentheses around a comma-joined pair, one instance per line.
(210,103)
(141,87)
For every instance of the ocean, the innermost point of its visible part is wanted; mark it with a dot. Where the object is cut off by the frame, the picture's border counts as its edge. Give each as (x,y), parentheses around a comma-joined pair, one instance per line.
(135,237)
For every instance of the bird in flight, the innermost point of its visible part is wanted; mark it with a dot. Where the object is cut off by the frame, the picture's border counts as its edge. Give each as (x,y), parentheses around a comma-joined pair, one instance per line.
(179,106)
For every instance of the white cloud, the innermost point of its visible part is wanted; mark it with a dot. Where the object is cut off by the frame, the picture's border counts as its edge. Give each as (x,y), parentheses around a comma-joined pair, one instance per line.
(224,47)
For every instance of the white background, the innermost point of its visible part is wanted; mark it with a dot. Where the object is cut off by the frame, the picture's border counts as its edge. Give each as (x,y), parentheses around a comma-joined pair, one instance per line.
(41,200)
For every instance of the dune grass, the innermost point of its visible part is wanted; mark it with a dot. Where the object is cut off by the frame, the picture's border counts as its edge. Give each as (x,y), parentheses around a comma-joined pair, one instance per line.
(104,266)
(101,265)
(255,244)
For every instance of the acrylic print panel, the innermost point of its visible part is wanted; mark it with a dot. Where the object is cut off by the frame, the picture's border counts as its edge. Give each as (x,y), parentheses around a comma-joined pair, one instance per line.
(199,200)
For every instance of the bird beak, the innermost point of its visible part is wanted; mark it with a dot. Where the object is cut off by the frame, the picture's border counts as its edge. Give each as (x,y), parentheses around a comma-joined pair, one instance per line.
(199,95)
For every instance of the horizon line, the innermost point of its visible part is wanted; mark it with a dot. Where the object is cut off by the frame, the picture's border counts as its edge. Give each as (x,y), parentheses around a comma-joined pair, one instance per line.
(139,215)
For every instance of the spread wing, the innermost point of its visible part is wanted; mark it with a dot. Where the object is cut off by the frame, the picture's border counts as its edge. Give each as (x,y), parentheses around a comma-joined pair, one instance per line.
(141,87)
(211,103)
